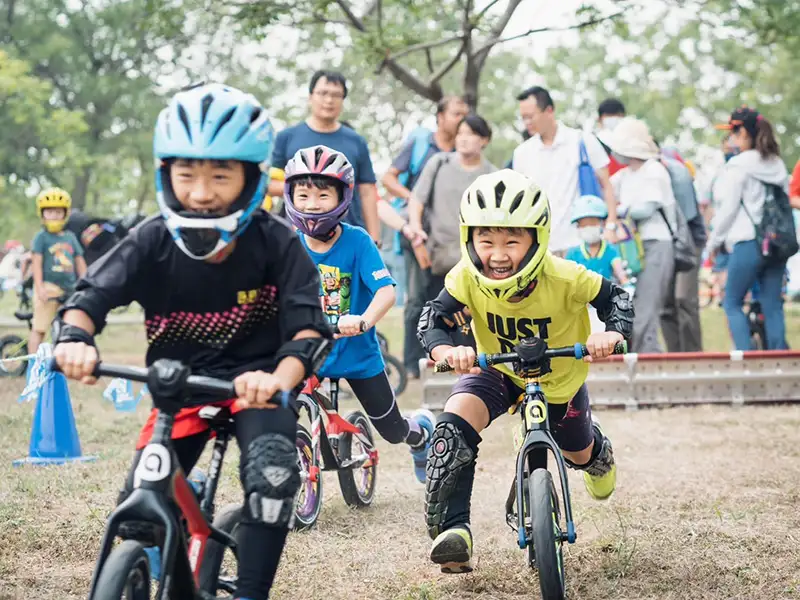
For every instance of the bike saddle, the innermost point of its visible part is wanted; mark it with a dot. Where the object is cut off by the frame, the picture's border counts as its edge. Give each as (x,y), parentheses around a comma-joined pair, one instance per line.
(218,417)
(23,316)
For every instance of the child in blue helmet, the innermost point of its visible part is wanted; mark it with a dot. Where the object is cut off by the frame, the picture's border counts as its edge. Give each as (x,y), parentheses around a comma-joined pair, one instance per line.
(228,290)
(589,214)
(357,291)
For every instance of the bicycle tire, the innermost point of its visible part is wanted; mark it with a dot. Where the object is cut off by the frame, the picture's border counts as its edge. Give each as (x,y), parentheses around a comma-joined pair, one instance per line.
(546,535)
(115,582)
(306,519)
(395,365)
(227,520)
(347,479)
(10,347)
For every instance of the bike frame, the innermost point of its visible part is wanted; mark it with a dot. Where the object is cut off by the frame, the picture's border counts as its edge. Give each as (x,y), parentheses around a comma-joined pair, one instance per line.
(159,480)
(327,427)
(533,455)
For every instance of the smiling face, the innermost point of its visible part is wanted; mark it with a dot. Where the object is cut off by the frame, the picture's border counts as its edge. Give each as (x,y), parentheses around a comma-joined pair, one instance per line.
(501,249)
(207,186)
(312,199)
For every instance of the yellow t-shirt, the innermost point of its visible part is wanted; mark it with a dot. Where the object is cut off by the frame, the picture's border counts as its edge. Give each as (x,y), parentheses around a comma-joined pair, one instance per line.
(555,311)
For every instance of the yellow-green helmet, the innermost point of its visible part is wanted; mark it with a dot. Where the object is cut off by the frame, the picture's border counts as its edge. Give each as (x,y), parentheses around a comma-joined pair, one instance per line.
(505,199)
(54,198)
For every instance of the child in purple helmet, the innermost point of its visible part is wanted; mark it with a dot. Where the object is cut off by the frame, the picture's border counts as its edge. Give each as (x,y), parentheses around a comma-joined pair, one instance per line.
(356,292)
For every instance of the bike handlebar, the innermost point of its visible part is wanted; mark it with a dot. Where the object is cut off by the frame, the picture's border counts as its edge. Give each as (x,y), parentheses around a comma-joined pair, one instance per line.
(193,384)
(484,361)
(363,326)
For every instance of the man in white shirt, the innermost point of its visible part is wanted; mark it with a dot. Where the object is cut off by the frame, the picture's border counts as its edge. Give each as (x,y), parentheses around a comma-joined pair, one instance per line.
(551,157)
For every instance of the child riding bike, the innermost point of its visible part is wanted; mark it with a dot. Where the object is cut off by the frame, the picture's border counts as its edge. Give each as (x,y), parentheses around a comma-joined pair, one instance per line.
(357,291)
(228,290)
(514,289)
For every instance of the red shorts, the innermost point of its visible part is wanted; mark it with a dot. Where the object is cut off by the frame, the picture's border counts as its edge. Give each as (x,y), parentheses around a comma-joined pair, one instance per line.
(187,422)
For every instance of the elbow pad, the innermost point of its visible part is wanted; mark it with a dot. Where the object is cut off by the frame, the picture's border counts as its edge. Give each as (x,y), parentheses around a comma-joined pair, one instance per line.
(615,308)
(432,330)
(312,352)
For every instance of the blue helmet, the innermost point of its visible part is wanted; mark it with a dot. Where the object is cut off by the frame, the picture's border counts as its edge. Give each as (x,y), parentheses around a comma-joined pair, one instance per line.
(589,206)
(212,122)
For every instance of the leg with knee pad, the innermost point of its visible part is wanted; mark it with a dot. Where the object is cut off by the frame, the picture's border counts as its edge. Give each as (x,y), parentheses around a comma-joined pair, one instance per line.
(450,473)
(271,480)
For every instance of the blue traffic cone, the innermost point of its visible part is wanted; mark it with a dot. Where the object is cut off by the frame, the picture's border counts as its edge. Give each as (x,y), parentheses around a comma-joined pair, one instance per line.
(54,437)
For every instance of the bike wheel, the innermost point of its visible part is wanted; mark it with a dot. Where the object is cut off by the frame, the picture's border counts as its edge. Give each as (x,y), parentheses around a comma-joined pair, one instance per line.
(309,500)
(357,484)
(125,574)
(397,374)
(546,534)
(12,346)
(214,575)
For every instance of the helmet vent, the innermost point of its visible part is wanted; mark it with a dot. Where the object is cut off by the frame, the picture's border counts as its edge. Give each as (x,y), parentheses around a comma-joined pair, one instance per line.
(185,120)
(479,199)
(499,192)
(223,121)
(536,197)
(205,104)
(517,201)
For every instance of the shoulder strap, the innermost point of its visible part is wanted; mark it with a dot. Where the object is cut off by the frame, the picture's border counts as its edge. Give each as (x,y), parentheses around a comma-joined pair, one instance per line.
(584,152)
(443,159)
(666,220)
(422,143)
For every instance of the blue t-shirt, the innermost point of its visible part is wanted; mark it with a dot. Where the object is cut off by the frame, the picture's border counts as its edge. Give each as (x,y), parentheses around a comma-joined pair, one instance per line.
(601,264)
(345,140)
(350,273)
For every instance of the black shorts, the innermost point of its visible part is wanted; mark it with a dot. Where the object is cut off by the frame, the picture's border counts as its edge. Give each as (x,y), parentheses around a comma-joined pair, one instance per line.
(570,423)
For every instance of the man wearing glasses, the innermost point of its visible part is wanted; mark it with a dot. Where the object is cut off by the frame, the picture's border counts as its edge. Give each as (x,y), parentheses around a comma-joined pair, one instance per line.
(327,92)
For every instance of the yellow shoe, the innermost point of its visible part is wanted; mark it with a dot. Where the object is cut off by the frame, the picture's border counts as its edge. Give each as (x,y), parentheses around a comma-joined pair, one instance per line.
(600,476)
(600,487)
(452,550)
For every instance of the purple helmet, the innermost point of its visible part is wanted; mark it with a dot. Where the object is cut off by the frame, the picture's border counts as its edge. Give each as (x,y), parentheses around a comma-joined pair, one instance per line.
(319,161)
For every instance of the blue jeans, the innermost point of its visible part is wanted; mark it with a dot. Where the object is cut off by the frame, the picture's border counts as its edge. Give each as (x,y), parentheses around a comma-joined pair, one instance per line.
(747,267)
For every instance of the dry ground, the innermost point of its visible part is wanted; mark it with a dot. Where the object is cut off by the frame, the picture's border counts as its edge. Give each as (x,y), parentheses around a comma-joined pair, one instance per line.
(706,508)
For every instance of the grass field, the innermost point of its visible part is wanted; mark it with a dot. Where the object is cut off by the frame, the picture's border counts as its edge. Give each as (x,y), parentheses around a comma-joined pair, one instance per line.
(705,508)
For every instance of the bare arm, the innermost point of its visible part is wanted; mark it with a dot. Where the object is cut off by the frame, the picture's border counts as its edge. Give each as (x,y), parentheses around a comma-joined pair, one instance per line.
(619,272)
(794,201)
(393,185)
(608,193)
(80,266)
(38,274)
(78,318)
(415,210)
(369,209)
(390,216)
(381,303)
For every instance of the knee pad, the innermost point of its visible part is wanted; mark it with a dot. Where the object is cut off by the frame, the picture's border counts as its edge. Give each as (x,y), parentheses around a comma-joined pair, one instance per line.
(271,480)
(449,455)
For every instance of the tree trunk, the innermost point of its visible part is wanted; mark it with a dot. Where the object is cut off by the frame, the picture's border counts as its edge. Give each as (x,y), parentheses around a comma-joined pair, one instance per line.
(472,76)
(81,188)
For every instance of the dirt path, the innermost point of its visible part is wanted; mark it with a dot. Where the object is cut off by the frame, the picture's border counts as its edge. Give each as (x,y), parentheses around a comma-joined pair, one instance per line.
(706,508)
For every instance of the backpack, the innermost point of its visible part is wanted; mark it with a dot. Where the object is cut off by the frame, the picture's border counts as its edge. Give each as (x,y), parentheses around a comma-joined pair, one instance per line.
(629,244)
(776,233)
(686,197)
(421,139)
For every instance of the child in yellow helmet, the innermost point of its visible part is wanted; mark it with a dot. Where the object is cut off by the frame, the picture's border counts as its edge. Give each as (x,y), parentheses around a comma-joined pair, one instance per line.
(513,288)
(58,261)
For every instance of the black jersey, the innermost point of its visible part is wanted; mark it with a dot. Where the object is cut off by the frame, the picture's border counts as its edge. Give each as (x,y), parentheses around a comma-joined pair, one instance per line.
(220,319)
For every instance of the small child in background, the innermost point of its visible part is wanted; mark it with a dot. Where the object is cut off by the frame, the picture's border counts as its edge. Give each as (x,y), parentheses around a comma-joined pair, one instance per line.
(589,214)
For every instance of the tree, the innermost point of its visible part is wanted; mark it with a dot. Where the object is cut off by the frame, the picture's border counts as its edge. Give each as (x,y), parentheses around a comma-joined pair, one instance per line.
(391,33)
(100,58)
(36,137)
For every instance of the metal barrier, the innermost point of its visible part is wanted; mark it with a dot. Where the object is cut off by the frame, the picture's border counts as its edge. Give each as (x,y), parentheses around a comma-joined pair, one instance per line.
(638,380)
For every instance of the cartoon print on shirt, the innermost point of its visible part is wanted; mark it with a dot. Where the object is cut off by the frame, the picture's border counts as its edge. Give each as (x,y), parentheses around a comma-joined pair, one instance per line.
(335,292)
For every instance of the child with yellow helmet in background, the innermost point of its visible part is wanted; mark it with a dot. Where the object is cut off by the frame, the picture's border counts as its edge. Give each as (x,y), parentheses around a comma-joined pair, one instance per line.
(58,261)
(513,288)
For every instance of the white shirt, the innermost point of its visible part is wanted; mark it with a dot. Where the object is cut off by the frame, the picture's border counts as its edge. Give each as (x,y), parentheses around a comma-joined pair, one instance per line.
(555,169)
(649,183)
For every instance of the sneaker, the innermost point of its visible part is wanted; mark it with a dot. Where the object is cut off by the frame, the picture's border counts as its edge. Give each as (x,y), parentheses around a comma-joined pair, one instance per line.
(426,421)
(452,550)
(601,481)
